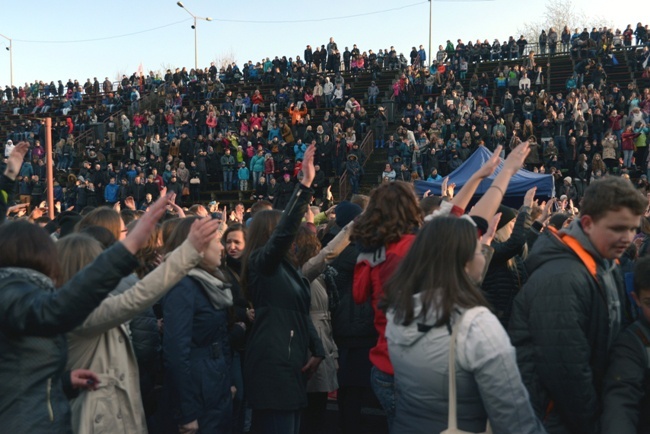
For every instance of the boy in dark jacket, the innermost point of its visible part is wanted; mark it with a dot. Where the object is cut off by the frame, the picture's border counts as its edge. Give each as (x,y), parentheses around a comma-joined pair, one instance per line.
(569,313)
(627,382)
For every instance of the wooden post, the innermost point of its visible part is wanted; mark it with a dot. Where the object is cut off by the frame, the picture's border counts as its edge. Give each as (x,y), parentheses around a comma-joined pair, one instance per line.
(50,168)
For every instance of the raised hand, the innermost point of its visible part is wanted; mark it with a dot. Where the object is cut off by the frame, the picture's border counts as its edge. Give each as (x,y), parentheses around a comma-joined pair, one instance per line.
(450,190)
(490,165)
(202,232)
(516,158)
(530,195)
(129,202)
(139,235)
(546,210)
(308,171)
(443,187)
(15,160)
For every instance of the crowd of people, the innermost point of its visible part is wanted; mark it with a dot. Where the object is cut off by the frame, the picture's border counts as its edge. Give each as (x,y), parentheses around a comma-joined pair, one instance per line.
(211,317)
(233,139)
(206,132)
(153,310)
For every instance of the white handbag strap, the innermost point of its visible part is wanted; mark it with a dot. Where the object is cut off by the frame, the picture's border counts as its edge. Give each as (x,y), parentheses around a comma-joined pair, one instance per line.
(452,422)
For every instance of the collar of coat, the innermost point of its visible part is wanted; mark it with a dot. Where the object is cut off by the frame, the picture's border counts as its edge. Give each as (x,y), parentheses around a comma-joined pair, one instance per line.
(32,276)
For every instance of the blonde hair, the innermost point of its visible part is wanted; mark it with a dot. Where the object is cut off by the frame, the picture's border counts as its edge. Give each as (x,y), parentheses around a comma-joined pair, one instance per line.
(75,252)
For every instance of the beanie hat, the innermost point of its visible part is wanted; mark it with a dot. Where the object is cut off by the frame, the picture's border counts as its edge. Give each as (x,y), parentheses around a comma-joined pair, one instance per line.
(346,212)
(568,179)
(507,215)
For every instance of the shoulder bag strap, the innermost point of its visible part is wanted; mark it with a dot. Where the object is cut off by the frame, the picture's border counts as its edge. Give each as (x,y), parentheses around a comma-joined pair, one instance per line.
(452,421)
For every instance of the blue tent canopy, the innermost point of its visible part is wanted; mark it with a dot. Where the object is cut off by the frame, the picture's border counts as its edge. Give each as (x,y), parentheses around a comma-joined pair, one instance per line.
(520,183)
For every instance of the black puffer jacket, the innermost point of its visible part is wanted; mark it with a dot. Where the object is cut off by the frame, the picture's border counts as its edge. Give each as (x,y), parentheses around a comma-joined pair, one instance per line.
(560,326)
(33,349)
(283,331)
(502,283)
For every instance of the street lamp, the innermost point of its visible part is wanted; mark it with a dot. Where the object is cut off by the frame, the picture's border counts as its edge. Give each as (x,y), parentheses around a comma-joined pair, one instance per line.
(10,48)
(196,45)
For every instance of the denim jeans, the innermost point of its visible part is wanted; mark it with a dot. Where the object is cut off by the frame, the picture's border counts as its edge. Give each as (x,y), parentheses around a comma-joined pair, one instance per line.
(227,180)
(354,181)
(256,178)
(384,387)
(627,158)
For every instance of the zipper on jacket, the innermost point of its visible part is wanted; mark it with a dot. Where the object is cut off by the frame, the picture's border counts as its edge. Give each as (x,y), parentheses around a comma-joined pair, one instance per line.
(290,339)
(50,410)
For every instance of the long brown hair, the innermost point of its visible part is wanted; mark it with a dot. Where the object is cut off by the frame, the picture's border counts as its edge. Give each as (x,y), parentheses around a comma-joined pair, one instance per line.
(259,233)
(437,273)
(149,255)
(306,245)
(392,212)
(76,251)
(26,245)
(179,234)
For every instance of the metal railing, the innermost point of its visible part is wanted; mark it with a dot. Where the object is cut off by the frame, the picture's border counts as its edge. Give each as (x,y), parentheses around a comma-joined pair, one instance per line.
(367,147)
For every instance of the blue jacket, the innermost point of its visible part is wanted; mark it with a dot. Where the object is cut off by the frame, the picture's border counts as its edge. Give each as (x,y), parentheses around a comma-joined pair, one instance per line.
(110,193)
(299,151)
(197,359)
(274,132)
(243,174)
(27,170)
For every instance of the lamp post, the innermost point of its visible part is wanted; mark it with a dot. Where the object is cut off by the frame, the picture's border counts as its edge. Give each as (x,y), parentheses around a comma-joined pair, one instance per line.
(11,59)
(196,44)
(430,22)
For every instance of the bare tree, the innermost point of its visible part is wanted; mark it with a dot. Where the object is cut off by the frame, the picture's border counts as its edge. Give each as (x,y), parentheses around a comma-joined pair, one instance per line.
(560,13)
(119,73)
(164,67)
(225,58)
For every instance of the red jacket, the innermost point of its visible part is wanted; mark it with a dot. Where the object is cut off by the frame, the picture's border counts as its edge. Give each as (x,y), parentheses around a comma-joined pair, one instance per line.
(627,141)
(370,274)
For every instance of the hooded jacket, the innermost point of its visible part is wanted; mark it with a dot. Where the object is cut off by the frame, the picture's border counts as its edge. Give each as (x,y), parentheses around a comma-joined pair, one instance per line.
(372,271)
(487,379)
(563,323)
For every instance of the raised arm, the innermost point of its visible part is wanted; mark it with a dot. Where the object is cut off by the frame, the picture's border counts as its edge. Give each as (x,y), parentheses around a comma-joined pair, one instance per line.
(463,197)
(42,313)
(267,258)
(489,203)
(316,265)
(114,311)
